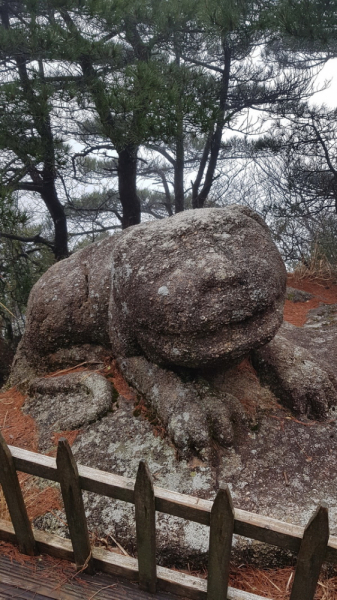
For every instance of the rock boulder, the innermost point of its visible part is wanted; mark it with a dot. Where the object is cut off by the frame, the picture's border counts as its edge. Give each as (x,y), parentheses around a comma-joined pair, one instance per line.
(306,387)
(202,287)
(67,313)
(67,402)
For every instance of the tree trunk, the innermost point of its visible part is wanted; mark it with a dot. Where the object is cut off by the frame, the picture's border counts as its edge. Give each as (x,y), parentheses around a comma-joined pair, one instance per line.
(200,198)
(179,176)
(179,164)
(56,211)
(40,114)
(201,170)
(127,175)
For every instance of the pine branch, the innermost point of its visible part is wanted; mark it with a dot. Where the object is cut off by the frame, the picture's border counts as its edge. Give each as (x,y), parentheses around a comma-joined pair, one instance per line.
(36,239)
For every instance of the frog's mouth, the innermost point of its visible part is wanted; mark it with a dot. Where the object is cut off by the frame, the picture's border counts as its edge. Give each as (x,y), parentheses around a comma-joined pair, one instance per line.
(207,347)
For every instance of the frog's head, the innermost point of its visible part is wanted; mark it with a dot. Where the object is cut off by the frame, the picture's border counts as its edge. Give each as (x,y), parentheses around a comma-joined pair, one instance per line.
(202,287)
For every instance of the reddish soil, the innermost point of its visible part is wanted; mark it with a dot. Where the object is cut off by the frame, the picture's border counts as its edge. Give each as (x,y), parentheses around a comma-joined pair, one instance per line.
(112,373)
(20,430)
(17,428)
(323,292)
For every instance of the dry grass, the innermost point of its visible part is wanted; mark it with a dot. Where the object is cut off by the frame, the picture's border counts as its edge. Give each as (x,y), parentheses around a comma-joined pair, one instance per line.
(277,583)
(38,499)
(315,267)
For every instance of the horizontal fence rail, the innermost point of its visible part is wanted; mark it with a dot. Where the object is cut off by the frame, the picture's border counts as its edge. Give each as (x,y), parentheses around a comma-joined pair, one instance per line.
(312,544)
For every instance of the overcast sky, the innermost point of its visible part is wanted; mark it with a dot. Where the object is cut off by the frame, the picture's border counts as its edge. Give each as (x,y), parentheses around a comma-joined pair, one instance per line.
(328,96)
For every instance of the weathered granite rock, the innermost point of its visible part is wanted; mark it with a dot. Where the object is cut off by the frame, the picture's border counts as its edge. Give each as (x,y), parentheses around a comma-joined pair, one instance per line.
(295,377)
(283,469)
(323,317)
(67,402)
(295,295)
(192,412)
(198,288)
(318,335)
(195,289)
(67,308)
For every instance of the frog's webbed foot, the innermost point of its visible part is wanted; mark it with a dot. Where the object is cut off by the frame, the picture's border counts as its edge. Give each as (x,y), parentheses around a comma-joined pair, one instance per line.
(295,377)
(192,413)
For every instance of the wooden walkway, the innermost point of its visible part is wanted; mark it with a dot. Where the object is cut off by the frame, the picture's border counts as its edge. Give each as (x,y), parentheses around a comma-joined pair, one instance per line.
(27,582)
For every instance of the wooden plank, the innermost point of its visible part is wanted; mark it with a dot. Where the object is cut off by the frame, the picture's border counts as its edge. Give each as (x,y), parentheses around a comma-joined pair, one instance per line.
(181,584)
(115,564)
(268,530)
(15,502)
(220,545)
(311,555)
(169,502)
(101,587)
(48,543)
(34,463)
(106,484)
(24,588)
(91,480)
(7,533)
(261,528)
(73,505)
(188,586)
(145,528)
(183,506)
(234,594)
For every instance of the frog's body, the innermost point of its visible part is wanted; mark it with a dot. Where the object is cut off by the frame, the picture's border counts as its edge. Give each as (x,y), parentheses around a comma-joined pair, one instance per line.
(196,291)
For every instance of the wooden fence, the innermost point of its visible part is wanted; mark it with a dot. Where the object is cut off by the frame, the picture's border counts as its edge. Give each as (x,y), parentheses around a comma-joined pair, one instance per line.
(311,544)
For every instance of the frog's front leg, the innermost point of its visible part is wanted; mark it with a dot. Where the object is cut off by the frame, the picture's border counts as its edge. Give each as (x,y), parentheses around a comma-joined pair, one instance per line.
(296,378)
(193,414)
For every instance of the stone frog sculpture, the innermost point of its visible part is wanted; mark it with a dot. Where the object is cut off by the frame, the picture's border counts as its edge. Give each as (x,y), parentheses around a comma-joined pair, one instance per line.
(174,301)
